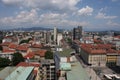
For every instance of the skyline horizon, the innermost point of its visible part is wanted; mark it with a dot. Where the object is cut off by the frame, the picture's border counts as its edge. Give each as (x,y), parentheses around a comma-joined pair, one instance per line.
(51,28)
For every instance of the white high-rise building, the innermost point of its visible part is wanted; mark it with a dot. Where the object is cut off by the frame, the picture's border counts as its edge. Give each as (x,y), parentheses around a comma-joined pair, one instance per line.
(55,35)
(59,38)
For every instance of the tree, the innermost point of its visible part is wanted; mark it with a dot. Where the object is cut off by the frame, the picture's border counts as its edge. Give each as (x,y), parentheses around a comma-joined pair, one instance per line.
(1,48)
(49,55)
(69,40)
(17,58)
(25,41)
(4,62)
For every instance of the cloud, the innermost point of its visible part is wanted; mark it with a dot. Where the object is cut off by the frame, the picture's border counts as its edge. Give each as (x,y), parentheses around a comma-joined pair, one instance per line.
(56,5)
(32,18)
(12,2)
(110,23)
(101,15)
(115,0)
(87,11)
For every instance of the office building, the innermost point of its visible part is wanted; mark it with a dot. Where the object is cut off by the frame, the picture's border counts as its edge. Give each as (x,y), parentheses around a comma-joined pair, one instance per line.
(77,33)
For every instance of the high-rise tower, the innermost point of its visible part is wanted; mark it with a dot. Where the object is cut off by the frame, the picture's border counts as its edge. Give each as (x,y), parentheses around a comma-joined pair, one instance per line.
(55,35)
(77,33)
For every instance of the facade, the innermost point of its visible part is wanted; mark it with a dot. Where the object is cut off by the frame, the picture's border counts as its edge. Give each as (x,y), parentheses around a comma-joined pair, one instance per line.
(48,37)
(77,33)
(59,38)
(55,35)
(47,70)
(100,55)
(94,59)
(94,55)
(112,58)
(118,60)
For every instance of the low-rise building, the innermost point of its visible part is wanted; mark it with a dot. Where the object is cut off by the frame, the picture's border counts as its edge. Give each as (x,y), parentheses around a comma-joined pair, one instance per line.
(17,73)
(47,70)
(94,55)
(111,57)
(118,59)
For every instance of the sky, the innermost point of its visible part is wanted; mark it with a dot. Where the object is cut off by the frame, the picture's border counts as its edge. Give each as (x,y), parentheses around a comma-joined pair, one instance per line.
(64,14)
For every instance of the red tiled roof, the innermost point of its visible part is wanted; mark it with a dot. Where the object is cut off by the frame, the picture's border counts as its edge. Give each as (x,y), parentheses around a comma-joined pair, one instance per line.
(118,51)
(29,55)
(117,36)
(40,52)
(8,37)
(97,51)
(93,49)
(5,43)
(111,51)
(36,45)
(26,64)
(13,45)
(23,47)
(5,50)
(97,46)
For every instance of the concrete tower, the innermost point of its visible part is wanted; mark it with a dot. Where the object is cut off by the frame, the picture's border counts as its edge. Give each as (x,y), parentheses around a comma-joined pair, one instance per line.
(55,35)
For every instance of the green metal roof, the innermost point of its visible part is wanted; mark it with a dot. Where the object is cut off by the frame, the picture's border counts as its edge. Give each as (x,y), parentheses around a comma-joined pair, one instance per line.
(77,72)
(21,73)
(65,52)
(6,71)
(65,66)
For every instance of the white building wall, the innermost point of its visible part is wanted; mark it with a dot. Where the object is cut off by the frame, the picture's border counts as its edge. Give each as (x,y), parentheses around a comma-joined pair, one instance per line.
(55,34)
(59,37)
(97,60)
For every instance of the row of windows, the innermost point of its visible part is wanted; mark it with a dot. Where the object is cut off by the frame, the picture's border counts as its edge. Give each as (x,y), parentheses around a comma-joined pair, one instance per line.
(97,59)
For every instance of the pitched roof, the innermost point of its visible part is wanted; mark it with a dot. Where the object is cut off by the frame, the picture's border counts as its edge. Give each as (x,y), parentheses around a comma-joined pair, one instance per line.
(111,51)
(93,49)
(26,64)
(5,43)
(13,45)
(23,47)
(36,45)
(29,55)
(40,52)
(5,50)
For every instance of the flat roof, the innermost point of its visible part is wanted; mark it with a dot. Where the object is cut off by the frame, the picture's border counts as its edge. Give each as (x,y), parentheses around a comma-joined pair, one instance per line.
(77,72)
(6,71)
(65,52)
(21,73)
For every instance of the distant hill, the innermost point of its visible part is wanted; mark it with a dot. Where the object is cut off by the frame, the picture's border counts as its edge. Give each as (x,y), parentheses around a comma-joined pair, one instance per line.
(31,29)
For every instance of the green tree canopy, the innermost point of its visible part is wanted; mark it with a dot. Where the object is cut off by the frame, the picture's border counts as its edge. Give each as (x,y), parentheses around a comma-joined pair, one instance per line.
(17,58)
(49,55)
(1,48)
(4,62)
(69,40)
(25,41)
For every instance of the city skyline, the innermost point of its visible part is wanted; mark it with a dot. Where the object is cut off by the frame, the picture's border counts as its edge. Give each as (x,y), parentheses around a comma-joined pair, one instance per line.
(91,14)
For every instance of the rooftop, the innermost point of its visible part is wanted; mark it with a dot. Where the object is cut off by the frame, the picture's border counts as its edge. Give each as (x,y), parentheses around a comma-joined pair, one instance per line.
(21,73)
(6,71)
(26,64)
(65,52)
(77,72)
